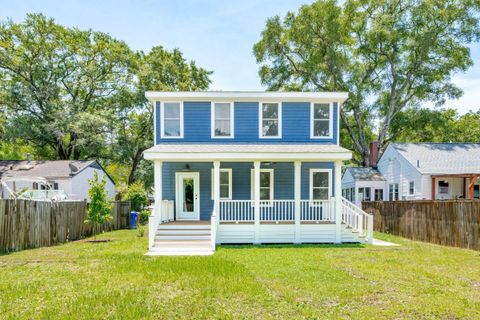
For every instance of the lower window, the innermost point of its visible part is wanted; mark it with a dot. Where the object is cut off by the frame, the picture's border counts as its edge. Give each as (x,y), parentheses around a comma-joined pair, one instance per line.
(364,194)
(225,184)
(320,182)
(378,194)
(266,184)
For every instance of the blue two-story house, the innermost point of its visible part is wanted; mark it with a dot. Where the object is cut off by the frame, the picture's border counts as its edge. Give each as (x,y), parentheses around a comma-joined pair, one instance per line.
(249,167)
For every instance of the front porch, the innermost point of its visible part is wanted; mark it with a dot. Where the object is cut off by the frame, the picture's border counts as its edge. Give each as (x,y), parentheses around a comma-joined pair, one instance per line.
(275,199)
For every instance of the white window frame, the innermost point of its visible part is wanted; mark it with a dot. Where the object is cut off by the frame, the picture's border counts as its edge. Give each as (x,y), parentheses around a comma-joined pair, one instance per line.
(272,183)
(330,121)
(229,171)
(232,119)
(410,183)
(162,120)
(260,120)
(314,170)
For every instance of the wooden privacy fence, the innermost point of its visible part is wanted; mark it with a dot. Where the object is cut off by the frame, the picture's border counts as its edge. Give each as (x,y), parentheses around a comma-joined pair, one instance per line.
(453,223)
(32,224)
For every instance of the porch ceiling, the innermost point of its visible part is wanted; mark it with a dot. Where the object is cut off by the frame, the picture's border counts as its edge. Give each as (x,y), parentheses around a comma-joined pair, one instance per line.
(239,152)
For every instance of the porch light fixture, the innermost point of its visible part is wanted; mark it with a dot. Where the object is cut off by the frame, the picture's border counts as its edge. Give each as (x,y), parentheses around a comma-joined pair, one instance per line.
(187,167)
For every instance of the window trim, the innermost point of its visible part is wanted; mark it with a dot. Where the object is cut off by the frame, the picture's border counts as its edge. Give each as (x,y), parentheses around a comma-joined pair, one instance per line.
(314,170)
(272,183)
(330,121)
(364,192)
(232,120)
(162,120)
(375,194)
(260,120)
(230,184)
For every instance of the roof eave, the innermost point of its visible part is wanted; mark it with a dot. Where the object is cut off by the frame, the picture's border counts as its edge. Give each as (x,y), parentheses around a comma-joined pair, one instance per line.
(245,96)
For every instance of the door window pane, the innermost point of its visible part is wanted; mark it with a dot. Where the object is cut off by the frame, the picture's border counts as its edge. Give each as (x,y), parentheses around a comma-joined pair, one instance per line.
(188,201)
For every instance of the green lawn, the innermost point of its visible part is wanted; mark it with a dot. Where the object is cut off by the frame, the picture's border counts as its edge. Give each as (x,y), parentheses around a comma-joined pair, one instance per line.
(116,280)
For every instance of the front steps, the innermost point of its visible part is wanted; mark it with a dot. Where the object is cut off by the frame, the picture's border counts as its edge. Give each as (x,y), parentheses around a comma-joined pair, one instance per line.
(182,238)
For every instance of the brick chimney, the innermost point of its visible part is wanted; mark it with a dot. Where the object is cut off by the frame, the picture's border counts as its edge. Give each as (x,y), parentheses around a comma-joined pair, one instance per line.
(374,154)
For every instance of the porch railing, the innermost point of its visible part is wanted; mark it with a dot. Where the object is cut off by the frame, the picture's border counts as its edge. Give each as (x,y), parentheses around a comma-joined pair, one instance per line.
(358,220)
(237,210)
(317,210)
(276,210)
(162,212)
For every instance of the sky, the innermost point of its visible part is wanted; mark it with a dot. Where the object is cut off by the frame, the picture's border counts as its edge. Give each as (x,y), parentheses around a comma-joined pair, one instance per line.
(218,35)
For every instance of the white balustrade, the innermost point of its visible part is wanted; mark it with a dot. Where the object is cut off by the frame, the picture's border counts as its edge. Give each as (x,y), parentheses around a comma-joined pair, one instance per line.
(357,219)
(236,210)
(162,212)
(277,210)
(317,210)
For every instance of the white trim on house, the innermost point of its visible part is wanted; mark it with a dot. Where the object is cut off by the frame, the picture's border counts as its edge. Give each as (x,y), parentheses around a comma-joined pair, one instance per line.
(339,105)
(155,121)
(229,171)
(260,119)
(240,156)
(311,172)
(247,96)
(330,120)
(272,183)
(232,120)
(162,120)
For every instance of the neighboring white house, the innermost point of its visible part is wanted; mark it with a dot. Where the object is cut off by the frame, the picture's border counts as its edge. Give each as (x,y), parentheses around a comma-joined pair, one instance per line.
(363,184)
(416,171)
(70,176)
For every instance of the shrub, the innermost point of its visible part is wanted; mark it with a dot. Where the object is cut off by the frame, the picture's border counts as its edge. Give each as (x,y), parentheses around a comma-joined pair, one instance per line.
(143,217)
(137,196)
(100,208)
(141,231)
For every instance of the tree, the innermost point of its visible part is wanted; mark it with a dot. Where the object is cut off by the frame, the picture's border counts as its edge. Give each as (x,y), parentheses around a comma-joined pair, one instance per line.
(100,208)
(58,82)
(444,125)
(158,70)
(388,54)
(137,195)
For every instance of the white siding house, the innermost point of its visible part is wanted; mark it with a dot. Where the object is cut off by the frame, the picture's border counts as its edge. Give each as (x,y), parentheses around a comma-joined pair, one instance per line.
(363,184)
(417,171)
(70,176)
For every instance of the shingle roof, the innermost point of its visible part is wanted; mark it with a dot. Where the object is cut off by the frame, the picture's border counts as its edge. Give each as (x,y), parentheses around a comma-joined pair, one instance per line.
(43,168)
(365,173)
(247,148)
(442,158)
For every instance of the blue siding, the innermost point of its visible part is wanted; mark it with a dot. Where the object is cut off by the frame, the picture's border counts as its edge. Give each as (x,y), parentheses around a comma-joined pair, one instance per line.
(241,180)
(295,124)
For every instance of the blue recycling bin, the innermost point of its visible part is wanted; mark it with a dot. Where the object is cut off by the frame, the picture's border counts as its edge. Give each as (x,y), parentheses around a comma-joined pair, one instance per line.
(133,219)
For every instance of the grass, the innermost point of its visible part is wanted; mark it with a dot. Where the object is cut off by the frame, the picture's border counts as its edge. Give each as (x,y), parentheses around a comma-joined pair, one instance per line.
(115,280)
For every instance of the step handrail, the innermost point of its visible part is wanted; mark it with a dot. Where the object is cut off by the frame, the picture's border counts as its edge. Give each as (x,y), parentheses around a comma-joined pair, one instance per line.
(161,212)
(357,219)
(213,230)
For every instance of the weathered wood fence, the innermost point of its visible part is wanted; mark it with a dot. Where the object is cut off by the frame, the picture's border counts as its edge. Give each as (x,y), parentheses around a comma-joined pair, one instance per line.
(32,224)
(453,223)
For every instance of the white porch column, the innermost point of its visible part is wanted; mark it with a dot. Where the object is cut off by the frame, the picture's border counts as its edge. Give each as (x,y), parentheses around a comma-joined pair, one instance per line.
(216,187)
(157,169)
(338,200)
(297,196)
(256,198)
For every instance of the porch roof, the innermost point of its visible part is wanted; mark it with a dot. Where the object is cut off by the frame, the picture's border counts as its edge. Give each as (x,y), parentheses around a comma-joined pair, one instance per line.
(223,151)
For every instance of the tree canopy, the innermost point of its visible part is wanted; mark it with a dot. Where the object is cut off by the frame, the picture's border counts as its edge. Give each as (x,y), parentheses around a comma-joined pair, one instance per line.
(387,54)
(80,94)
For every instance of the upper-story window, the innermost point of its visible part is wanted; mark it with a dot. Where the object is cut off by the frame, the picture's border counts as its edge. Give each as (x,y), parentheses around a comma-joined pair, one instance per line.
(172,120)
(270,120)
(321,125)
(222,120)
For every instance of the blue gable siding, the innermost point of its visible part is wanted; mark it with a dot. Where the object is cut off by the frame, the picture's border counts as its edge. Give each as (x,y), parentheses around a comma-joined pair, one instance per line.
(295,124)
(241,180)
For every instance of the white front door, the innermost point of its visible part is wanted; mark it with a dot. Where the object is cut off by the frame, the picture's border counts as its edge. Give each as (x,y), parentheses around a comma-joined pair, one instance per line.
(188,195)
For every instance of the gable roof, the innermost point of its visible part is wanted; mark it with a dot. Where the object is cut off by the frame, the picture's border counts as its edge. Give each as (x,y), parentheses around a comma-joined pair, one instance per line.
(365,173)
(45,168)
(441,158)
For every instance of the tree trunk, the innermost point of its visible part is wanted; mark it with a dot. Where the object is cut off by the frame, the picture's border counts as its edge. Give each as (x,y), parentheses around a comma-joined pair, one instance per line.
(135,163)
